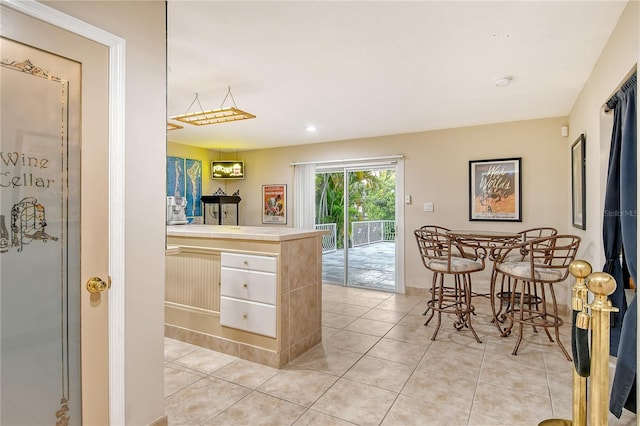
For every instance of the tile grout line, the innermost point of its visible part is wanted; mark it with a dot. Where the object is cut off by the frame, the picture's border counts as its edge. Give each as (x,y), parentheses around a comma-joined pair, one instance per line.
(487,328)
(323,393)
(365,353)
(475,390)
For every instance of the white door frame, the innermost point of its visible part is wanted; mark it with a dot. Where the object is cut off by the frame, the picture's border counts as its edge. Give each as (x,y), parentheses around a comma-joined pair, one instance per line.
(117,56)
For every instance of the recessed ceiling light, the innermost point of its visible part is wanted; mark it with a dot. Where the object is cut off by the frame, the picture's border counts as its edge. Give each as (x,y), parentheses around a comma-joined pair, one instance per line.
(503,81)
(311,128)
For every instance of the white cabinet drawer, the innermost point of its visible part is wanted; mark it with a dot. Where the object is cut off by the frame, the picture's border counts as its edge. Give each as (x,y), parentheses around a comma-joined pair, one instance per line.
(250,316)
(250,285)
(249,261)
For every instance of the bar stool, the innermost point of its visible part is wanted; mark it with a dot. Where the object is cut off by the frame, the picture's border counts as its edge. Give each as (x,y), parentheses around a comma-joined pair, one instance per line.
(532,300)
(445,256)
(503,296)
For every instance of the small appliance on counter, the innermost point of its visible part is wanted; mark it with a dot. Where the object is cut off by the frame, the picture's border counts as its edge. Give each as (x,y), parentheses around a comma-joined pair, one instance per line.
(176,207)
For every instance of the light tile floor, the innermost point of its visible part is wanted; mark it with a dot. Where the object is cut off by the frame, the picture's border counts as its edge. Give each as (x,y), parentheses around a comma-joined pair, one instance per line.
(377,365)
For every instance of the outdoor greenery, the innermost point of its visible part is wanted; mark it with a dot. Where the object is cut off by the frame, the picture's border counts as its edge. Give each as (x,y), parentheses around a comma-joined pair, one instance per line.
(371,197)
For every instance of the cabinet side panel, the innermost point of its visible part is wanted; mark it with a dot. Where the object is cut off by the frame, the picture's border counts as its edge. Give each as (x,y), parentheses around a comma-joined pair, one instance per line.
(193,279)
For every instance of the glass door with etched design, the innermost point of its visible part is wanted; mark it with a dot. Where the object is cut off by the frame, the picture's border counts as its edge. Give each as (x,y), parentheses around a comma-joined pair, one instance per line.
(39,237)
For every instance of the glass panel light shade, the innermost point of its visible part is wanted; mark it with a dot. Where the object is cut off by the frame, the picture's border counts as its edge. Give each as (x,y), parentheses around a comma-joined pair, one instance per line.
(214,116)
(173,126)
(223,115)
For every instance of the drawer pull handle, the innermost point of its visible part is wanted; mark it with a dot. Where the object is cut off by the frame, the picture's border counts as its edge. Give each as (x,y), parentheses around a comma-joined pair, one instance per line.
(245,285)
(244,316)
(245,262)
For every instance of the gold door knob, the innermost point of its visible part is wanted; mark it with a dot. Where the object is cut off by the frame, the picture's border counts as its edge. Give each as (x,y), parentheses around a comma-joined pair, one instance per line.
(96,285)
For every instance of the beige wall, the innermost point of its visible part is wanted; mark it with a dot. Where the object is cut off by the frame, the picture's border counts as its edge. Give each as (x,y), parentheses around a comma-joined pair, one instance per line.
(436,163)
(436,166)
(618,59)
(142,25)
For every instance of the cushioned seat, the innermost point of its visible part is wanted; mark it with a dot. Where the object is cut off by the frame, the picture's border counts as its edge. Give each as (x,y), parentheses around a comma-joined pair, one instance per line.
(525,269)
(457,265)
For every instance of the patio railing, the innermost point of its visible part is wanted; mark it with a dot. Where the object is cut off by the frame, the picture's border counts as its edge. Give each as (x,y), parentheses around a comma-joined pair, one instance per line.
(362,233)
(372,231)
(329,240)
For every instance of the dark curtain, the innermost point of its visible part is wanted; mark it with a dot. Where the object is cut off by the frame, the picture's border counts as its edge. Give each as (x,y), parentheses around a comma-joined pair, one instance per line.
(620,236)
(612,232)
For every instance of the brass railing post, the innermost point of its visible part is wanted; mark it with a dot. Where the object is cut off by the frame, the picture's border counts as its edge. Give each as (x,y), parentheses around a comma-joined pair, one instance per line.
(601,285)
(580,270)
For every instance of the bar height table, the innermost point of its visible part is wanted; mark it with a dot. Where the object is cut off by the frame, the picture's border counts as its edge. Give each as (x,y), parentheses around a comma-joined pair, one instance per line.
(487,239)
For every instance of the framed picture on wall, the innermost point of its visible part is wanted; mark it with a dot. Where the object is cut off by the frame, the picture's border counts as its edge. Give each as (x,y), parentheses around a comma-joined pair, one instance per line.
(193,186)
(495,190)
(578,186)
(274,204)
(184,180)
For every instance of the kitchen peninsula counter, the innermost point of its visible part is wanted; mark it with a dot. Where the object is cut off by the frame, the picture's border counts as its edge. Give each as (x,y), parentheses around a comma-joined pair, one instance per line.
(251,292)
(257,233)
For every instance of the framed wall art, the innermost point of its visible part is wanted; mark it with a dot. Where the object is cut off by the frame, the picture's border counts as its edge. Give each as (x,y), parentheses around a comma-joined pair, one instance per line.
(495,190)
(578,186)
(184,179)
(274,204)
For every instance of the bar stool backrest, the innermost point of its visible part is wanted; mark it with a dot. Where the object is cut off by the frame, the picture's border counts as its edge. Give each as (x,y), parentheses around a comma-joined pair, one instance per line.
(544,254)
(533,233)
(435,228)
(438,248)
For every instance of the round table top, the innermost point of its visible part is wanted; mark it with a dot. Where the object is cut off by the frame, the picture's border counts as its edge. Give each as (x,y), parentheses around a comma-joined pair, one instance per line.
(484,234)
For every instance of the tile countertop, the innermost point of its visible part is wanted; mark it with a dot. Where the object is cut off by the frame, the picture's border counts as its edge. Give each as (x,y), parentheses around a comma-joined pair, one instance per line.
(241,232)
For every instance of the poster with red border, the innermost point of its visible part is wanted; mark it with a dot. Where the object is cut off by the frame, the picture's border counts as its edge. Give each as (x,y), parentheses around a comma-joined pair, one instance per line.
(274,204)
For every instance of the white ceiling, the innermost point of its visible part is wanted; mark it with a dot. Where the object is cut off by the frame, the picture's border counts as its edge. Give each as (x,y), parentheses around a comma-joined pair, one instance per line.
(357,69)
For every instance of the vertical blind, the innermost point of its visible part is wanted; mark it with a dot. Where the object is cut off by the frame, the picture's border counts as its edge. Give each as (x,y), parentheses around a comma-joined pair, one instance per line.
(304,185)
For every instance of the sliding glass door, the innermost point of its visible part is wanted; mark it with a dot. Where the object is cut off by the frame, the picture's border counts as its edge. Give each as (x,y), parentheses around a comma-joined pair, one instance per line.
(358,206)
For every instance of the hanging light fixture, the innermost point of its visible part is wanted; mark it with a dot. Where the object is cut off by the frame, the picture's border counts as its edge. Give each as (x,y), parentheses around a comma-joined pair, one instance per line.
(215,116)
(174,126)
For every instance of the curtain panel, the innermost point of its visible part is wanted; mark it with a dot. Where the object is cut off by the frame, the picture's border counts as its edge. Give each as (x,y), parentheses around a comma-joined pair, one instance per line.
(620,236)
(304,181)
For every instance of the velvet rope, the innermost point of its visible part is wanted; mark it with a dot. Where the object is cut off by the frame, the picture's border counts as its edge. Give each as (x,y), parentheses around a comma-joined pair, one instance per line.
(580,348)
